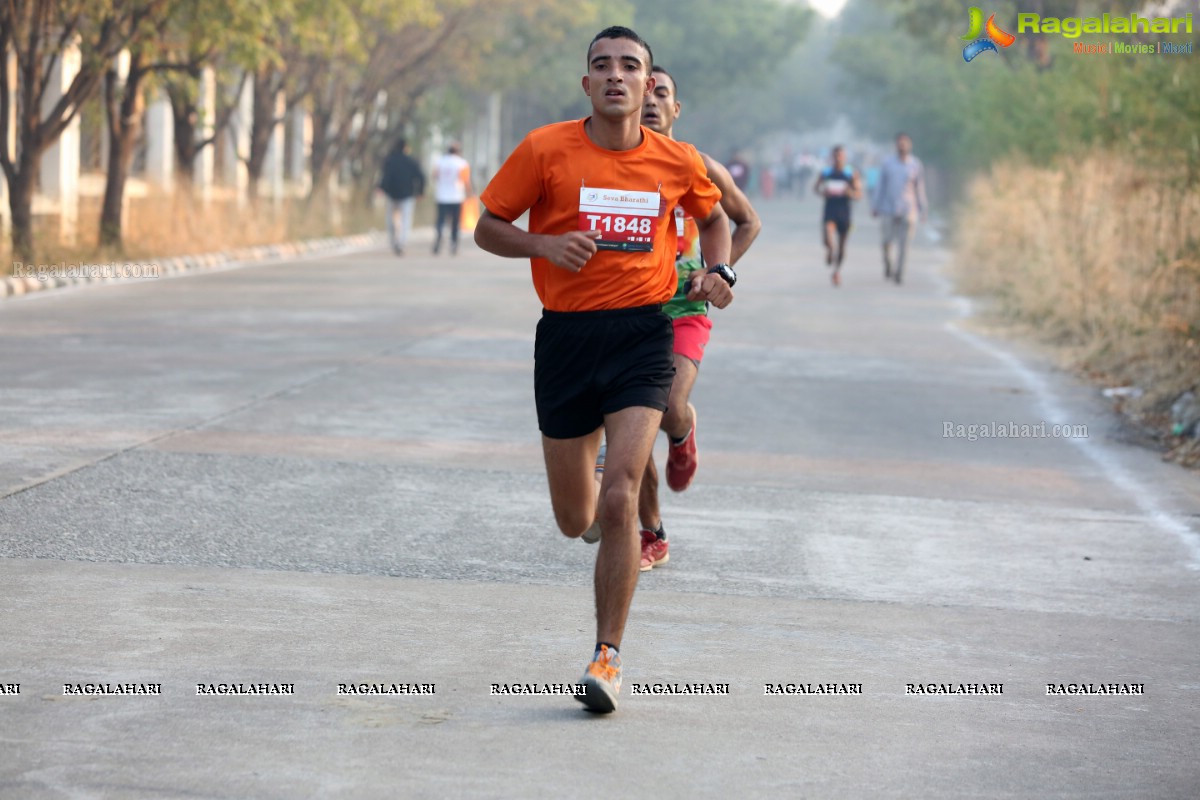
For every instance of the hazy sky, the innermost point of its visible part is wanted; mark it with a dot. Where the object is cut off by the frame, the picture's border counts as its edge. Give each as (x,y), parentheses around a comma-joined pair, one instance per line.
(827,8)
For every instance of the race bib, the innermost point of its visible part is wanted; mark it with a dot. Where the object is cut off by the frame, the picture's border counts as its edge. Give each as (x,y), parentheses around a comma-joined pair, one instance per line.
(625,219)
(836,187)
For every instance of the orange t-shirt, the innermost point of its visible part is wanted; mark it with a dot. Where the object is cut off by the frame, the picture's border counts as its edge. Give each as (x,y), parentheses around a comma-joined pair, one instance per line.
(545,175)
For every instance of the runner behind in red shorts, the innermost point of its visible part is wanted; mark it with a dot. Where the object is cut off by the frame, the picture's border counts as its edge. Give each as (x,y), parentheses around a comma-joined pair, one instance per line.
(691,323)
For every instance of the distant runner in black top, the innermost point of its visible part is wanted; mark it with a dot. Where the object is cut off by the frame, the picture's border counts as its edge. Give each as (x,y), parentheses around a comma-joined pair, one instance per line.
(838,184)
(402,181)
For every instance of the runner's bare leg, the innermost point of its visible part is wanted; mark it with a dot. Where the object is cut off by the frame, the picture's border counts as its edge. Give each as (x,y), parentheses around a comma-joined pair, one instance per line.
(678,419)
(630,437)
(570,471)
(676,422)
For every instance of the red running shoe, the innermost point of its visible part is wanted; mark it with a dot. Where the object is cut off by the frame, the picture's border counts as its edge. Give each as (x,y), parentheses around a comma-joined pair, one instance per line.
(683,459)
(654,550)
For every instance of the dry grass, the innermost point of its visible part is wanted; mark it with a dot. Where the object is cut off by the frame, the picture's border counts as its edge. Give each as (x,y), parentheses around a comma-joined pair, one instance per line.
(161,226)
(1102,259)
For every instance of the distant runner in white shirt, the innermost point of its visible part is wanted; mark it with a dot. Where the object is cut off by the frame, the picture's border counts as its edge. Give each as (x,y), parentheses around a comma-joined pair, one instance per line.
(899,199)
(451,186)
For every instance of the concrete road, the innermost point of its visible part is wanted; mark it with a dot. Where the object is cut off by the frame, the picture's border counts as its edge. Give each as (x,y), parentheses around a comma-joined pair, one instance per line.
(328,472)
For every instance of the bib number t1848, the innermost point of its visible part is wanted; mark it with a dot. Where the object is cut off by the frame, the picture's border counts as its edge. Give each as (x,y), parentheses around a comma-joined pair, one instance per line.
(626,220)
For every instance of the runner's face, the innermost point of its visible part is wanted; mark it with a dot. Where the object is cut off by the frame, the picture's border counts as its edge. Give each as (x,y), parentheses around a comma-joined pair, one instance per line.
(903,145)
(618,78)
(839,158)
(660,110)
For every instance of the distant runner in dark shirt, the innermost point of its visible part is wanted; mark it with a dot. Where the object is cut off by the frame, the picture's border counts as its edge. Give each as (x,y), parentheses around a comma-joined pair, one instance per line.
(839,185)
(402,182)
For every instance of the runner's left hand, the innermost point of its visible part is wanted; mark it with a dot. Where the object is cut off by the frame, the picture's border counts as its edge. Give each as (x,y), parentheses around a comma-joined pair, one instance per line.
(710,287)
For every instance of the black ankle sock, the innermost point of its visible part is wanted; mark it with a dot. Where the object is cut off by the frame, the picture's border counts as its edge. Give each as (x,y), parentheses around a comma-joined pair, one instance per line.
(612,647)
(659,532)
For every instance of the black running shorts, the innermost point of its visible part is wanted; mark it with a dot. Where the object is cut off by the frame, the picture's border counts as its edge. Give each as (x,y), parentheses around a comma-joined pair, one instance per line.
(590,363)
(840,219)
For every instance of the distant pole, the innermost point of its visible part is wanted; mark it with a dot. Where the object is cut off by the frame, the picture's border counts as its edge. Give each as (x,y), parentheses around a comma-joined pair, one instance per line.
(206,109)
(9,75)
(494,115)
(300,137)
(237,143)
(59,169)
(275,152)
(160,143)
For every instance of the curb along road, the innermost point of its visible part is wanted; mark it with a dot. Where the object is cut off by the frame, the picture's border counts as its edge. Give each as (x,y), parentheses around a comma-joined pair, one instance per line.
(179,265)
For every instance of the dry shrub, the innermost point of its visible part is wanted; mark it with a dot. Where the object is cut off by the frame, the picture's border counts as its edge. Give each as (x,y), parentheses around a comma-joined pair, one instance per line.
(173,225)
(163,225)
(1101,258)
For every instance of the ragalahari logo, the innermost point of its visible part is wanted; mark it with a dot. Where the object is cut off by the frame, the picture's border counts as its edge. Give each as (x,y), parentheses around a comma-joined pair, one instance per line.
(992,35)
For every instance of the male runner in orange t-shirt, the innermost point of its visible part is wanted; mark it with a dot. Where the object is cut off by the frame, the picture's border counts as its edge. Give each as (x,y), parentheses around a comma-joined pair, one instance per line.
(601,242)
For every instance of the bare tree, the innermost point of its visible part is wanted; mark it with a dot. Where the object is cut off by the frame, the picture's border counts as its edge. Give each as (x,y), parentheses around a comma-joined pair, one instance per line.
(348,89)
(38,32)
(124,106)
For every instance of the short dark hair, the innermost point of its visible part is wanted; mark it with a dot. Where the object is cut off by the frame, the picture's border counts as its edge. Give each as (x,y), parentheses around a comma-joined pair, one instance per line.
(619,32)
(904,134)
(837,148)
(674,83)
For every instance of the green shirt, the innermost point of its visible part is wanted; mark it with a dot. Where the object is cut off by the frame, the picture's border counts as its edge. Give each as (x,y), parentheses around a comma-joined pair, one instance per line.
(679,306)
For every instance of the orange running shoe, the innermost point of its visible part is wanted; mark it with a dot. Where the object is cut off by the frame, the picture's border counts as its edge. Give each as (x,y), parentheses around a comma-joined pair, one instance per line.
(602,681)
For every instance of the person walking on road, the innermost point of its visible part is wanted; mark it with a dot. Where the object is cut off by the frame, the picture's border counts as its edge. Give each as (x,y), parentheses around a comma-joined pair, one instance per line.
(900,200)
(690,321)
(401,182)
(601,245)
(838,184)
(452,186)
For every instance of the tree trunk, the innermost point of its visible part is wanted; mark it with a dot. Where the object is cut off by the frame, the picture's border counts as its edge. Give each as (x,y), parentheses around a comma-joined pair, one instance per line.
(319,157)
(185,110)
(185,114)
(329,148)
(45,26)
(365,156)
(124,128)
(20,205)
(262,126)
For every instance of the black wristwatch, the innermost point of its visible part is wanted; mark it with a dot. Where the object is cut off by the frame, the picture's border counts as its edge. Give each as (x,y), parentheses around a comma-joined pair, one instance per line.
(726,272)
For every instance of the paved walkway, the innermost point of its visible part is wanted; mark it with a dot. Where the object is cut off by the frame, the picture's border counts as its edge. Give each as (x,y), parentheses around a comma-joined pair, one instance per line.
(328,472)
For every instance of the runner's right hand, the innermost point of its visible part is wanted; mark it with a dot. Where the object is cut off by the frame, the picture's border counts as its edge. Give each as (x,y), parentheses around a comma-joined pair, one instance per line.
(571,251)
